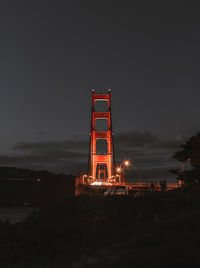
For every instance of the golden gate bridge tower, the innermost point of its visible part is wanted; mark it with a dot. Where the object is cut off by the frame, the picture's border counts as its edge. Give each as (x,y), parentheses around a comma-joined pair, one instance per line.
(103,177)
(101,164)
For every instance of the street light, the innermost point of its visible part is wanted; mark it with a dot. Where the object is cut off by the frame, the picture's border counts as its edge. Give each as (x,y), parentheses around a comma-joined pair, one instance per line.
(126,163)
(120,169)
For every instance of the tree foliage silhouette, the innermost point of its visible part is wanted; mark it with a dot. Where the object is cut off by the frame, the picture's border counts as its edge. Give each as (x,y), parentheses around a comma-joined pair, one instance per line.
(190,152)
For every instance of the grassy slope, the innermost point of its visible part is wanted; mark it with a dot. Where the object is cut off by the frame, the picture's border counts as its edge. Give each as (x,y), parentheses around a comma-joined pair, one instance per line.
(159,230)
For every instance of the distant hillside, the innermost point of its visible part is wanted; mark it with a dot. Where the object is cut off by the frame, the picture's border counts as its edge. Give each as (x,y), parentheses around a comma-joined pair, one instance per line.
(35,188)
(13,172)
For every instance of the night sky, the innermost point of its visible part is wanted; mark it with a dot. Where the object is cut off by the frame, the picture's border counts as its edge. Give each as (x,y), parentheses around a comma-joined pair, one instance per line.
(52,53)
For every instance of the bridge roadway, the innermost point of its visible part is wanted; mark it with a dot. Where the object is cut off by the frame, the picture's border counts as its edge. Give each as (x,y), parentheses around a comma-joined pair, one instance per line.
(146,186)
(90,189)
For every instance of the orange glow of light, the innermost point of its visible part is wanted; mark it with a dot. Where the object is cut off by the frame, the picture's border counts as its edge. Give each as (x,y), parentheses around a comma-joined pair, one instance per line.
(118,169)
(126,163)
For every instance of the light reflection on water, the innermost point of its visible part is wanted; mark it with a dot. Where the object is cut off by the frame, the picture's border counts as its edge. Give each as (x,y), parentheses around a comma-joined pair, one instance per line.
(15,214)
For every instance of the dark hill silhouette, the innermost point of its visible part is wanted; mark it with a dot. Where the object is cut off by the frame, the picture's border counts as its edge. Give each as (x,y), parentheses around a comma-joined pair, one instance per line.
(34,188)
(13,172)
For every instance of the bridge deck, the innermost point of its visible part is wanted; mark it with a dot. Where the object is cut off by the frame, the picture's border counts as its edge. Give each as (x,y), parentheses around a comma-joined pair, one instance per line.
(133,187)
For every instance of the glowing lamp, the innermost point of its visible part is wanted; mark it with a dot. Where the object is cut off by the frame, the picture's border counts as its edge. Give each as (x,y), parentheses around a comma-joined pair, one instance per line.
(126,163)
(118,169)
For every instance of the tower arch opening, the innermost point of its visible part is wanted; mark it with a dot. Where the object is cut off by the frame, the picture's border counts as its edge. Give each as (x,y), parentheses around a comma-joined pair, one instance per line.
(101,106)
(101,125)
(101,147)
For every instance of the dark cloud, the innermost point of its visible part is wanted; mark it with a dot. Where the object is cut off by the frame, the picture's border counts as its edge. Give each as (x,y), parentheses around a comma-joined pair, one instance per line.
(145,139)
(135,139)
(50,158)
(149,154)
(145,150)
(167,144)
(73,144)
(68,156)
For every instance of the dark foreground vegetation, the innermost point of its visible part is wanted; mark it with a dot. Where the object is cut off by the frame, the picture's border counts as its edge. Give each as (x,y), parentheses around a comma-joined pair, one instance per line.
(189,154)
(158,230)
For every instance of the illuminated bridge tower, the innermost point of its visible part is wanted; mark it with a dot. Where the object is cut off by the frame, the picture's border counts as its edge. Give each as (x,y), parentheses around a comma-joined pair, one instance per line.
(101,156)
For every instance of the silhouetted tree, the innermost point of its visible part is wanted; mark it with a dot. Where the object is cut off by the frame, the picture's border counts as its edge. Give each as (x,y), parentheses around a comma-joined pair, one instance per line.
(190,152)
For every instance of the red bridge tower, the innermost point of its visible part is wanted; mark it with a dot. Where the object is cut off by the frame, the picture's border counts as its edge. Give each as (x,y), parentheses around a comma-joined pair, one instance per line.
(101,164)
